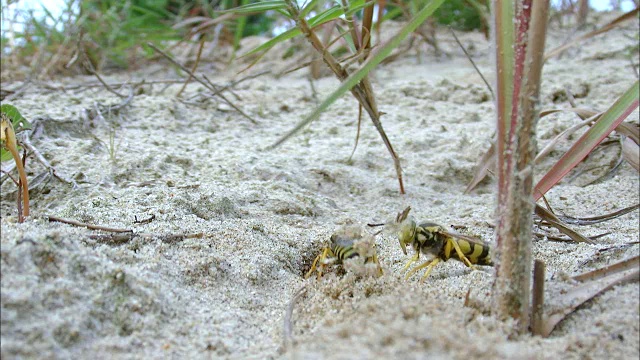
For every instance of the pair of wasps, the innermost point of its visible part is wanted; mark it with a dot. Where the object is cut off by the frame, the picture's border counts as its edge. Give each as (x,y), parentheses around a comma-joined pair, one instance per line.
(427,238)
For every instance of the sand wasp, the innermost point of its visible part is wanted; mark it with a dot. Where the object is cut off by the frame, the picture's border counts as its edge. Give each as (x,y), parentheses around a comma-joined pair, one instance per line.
(432,239)
(346,243)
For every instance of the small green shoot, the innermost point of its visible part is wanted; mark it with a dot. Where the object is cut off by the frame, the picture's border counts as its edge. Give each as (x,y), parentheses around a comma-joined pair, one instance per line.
(11,119)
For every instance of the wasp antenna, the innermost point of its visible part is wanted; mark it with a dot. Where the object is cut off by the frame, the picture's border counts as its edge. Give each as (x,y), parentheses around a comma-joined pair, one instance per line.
(403,215)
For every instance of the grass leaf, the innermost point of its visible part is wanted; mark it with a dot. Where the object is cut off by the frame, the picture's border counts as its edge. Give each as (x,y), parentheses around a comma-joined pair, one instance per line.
(608,122)
(258,7)
(615,22)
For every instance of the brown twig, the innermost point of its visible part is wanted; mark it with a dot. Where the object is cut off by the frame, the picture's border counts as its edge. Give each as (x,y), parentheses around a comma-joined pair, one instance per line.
(113,239)
(597,219)
(27,144)
(144,221)
(183,68)
(537,305)
(563,239)
(195,66)
(361,91)
(88,226)
(472,63)
(627,264)
(92,70)
(83,87)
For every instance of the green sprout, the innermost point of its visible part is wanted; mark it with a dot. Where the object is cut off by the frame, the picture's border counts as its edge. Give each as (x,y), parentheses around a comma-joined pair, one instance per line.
(12,122)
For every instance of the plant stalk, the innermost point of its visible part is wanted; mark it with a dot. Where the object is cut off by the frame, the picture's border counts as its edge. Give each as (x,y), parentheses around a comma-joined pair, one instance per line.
(11,145)
(361,91)
(516,154)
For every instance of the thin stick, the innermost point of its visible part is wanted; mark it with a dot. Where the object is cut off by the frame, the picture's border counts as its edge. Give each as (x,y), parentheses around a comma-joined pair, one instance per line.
(493,97)
(27,144)
(611,269)
(93,71)
(355,145)
(537,306)
(201,81)
(362,91)
(88,226)
(195,66)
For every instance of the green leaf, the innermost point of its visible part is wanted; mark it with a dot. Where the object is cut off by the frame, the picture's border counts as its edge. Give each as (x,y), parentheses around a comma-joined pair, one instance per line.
(17,120)
(611,118)
(322,18)
(259,7)
(5,155)
(307,9)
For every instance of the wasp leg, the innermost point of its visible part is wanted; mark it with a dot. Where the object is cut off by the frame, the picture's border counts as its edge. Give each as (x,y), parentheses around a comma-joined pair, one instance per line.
(431,266)
(461,255)
(413,259)
(313,266)
(375,260)
(322,261)
(422,266)
(320,257)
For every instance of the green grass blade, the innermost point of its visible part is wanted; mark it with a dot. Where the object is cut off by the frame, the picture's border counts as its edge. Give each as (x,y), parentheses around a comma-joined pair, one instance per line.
(17,120)
(324,17)
(240,24)
(258,7)
(374,59)
(307,9)
(624,106)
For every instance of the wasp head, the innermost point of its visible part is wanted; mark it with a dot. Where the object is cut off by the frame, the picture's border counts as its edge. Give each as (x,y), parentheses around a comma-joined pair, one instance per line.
(406,233)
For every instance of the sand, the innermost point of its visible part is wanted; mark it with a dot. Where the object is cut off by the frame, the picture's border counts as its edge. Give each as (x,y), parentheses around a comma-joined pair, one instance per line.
(251,220)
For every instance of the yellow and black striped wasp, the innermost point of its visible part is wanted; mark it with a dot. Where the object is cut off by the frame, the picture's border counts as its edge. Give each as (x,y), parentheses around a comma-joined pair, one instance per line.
(346,243)
(433,240)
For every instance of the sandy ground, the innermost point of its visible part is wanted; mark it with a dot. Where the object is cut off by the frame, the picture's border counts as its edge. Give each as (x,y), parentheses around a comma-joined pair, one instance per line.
(251,220)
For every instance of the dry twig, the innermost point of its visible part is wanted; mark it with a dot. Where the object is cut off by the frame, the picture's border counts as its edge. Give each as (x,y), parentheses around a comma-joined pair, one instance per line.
(88,226)
(204,83)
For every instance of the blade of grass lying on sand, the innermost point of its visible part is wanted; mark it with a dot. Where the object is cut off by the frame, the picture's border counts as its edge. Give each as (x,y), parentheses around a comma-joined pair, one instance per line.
(615,22)
(554,221)
(631,130)
(563,135)
(601,280)
(631,153)
(631,263)
(597,219)
(608,122)
(487,162)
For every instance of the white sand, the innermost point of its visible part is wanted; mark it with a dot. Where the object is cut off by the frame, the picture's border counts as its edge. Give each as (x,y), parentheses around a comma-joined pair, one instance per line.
(201,168)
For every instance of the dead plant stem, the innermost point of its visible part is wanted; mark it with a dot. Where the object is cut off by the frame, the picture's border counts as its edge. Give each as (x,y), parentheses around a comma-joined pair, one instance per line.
(537,305)
(213,89)
(362,91)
